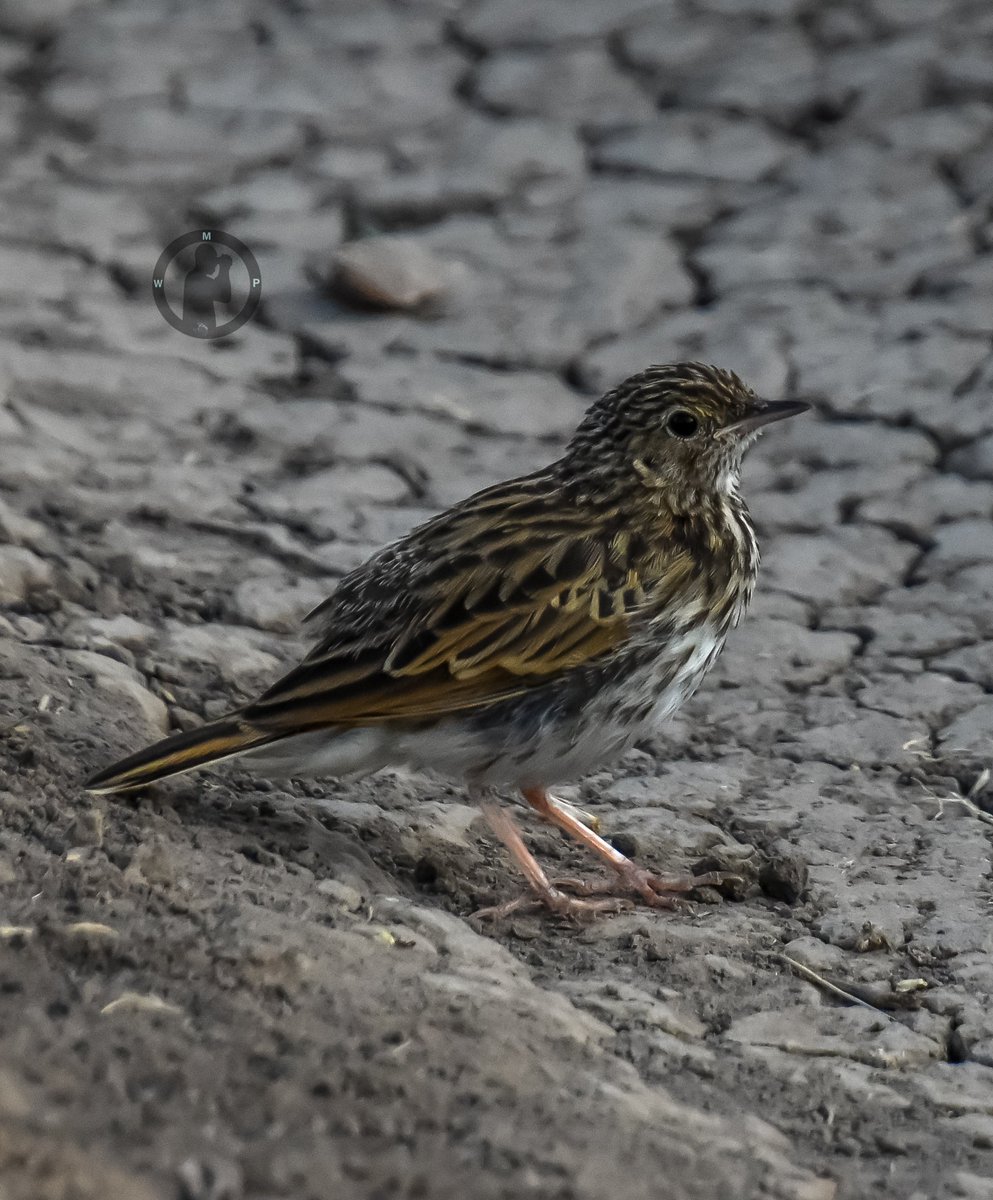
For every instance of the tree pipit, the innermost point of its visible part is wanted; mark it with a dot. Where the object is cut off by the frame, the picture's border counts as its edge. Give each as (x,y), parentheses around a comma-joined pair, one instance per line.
(534,631)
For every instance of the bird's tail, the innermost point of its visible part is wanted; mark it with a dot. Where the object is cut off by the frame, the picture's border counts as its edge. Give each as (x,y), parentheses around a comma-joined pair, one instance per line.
(225,738)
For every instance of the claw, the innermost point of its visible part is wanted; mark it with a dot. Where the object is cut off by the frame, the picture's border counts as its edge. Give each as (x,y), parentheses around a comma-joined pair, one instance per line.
(556,902)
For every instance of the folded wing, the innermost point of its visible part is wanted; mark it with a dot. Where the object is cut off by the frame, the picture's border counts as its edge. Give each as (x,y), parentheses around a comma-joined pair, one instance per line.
(501,605)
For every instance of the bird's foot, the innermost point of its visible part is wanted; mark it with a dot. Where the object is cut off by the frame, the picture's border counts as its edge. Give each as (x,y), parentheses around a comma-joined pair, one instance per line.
(543,894)
(555,901)
(657,891)
(664,891)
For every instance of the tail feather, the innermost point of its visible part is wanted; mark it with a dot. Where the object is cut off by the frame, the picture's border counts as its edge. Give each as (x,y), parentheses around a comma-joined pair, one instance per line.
(182,752)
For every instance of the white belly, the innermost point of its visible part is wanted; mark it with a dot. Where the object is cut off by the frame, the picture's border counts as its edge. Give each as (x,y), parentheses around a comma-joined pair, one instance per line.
(607,726)
(541,755)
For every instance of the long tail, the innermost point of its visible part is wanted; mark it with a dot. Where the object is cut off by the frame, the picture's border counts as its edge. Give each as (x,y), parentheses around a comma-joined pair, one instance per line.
(225,738)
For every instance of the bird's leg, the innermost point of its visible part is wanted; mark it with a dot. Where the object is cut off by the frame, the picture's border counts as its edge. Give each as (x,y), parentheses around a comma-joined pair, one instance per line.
(545,895)
(590,820)
(656,890)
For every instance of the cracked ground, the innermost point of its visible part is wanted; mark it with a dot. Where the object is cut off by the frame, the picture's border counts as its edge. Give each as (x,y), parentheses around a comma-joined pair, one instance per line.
(225,988)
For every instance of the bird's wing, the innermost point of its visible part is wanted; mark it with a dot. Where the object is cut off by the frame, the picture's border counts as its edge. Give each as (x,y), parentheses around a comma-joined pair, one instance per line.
(483,604)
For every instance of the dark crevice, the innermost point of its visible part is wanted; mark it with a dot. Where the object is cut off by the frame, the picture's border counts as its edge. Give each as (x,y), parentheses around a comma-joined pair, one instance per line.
(641,77)
(400,215)
(411,472)
(313,347)
(689,242)
(848,510)
(865,635)
(124,278)
(573,376)
(906,534)
(455,36)
(493,362)
(955,1047)
(951,174)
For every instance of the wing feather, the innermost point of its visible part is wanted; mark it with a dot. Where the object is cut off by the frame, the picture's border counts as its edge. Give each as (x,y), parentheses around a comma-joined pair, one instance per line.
(479,606)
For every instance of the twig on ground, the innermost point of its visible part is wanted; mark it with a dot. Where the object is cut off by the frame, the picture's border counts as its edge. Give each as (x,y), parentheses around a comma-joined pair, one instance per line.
(821,981)
(966,801)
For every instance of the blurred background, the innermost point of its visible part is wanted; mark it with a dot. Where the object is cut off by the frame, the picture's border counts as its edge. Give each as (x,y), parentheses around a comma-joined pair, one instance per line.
(469,218)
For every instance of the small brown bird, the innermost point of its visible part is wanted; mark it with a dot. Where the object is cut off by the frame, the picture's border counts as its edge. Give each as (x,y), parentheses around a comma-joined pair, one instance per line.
(532,632)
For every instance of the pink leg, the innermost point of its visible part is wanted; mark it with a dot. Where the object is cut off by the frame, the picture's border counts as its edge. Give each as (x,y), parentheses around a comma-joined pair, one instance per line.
(655,890)
(545,895)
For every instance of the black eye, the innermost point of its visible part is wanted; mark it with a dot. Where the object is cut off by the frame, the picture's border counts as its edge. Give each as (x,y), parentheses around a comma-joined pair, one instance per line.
(682,424)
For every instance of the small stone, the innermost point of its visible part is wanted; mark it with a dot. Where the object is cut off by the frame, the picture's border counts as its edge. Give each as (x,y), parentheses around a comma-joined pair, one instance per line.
(134,1002)
(152,863)
(90,929)
(213,1179)
(235,652)
(21,573)
(78,856)
(784,875)
(84,940)
(19,529)
(739,884)
(87,828)
(277,603)
(388,272)
(817,955)
(121,630)
(341,893)
(16,935)
(847,927)
(111,676)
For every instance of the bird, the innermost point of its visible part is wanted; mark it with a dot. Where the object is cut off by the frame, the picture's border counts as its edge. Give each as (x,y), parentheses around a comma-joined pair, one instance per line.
(529,634)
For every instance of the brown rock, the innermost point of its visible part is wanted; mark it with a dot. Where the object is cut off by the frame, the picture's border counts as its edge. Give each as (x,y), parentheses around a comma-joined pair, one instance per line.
(388,272)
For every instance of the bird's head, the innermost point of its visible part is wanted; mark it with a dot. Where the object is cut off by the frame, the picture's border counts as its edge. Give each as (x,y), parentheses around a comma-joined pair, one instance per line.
(679,429)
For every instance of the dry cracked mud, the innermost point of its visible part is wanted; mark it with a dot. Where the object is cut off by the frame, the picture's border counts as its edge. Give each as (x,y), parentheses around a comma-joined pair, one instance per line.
(228,989)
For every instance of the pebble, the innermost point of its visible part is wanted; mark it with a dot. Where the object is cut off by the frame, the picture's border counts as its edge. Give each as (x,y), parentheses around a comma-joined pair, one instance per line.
(276,602)
(22,572)
(388,272)
(112,678)
(341,893)
(121,630)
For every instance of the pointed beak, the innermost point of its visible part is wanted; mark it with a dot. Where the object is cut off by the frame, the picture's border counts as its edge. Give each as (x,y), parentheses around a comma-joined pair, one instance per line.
(764,413)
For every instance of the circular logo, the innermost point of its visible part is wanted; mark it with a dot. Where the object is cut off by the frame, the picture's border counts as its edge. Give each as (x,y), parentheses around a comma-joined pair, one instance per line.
(207,284)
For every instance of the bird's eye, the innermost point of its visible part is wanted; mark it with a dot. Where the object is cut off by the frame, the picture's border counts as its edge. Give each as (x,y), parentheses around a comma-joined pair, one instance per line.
(682,424)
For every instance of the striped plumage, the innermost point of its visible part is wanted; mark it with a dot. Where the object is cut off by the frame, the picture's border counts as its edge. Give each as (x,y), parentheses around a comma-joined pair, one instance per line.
(537,628)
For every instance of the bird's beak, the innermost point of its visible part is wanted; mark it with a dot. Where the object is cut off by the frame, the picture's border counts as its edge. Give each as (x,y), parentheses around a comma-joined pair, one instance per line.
(764,412)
